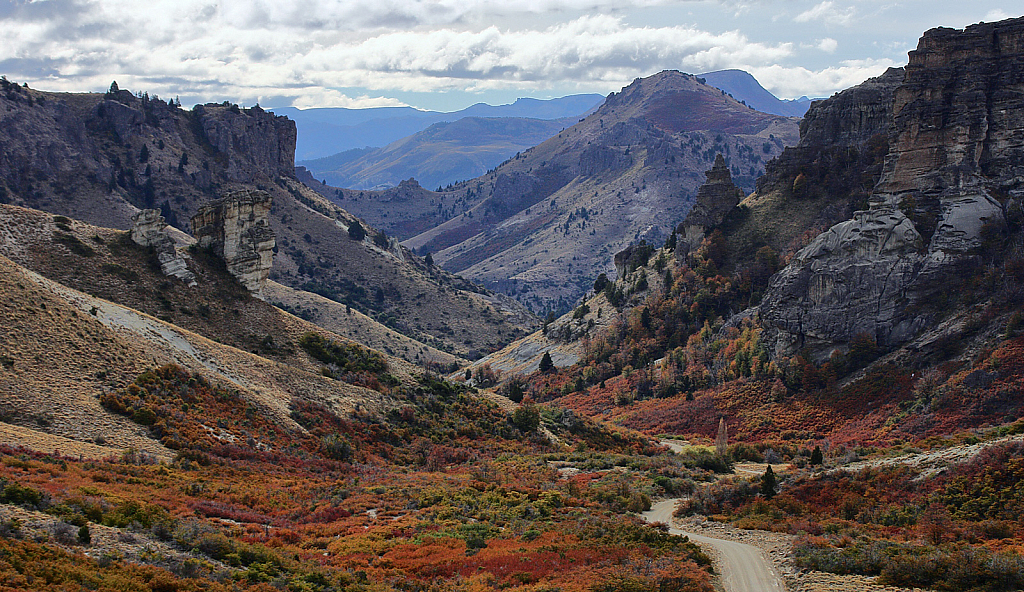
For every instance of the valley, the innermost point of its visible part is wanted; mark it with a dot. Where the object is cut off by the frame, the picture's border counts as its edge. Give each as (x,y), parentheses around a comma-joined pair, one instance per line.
(680,345)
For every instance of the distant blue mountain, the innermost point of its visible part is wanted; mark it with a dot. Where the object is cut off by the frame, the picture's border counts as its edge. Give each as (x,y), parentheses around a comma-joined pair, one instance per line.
(744,87)
(329,131)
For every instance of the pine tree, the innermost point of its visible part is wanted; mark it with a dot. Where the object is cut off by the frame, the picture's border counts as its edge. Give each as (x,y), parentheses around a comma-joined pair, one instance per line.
(356,231)
(768,483)
(816,456)
(546,365)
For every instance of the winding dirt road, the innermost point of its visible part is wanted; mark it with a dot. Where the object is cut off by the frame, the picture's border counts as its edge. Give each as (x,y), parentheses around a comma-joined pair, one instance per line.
(744,568)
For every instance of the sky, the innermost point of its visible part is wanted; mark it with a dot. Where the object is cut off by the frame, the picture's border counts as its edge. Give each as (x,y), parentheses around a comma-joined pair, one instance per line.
(448,54)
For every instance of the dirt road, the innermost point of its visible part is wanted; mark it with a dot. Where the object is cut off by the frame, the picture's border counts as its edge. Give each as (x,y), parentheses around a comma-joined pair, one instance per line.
(744,568)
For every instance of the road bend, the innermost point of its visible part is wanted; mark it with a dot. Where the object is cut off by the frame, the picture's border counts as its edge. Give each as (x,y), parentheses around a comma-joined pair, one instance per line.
(743,568)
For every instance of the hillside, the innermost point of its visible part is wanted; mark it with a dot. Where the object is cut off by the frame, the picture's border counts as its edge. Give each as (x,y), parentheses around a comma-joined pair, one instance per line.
(544,224)
(99,158)
(442,154)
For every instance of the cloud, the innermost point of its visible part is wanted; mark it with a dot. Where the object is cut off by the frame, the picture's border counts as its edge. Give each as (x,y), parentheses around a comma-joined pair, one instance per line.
(314,52)
(827,45)
(792,82)
(996,15)
(826,12)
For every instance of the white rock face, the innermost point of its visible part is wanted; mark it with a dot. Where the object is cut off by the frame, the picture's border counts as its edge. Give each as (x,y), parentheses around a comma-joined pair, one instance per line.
(237,228)
(150,230)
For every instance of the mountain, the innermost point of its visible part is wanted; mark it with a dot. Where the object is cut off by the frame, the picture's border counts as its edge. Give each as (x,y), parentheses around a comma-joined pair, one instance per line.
(868,290)
(746,89)
(100,158)
(544,224)
(442,154)
(327,131)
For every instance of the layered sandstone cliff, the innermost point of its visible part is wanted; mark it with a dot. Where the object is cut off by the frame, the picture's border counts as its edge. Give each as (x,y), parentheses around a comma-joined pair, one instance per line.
(149,229)
(237,228)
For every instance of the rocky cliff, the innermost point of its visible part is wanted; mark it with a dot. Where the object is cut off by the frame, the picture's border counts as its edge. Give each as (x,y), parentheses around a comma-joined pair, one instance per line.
(149,229)
(714,200)
(101,157)
(237,229)
(953,168)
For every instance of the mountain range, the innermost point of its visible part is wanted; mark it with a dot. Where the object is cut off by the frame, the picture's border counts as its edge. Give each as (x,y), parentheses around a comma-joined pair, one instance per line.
(542,225)
(328,131)
(215,377)
(476,139)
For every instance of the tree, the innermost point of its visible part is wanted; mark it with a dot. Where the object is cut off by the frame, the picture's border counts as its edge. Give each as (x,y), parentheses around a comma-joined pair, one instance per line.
(144,153)
(113,89)
(84,536)
(816,456)
(670,242)
(428,259)
(546,365)
(550,318)
(526,418)
(356,231)
(768,483)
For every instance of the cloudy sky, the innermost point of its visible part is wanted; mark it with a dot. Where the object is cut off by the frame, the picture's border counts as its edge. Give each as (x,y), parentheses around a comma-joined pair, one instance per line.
(448,54)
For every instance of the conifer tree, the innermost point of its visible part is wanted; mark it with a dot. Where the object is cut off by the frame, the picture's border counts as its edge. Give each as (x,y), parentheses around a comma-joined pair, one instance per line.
(768,483)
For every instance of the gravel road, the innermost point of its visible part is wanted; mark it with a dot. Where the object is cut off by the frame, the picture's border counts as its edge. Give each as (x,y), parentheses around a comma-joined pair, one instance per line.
(744,568)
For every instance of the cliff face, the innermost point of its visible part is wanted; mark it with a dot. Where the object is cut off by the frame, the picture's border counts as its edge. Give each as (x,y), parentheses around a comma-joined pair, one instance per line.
(101,157)
(261,141)
(237,228)
(953,168)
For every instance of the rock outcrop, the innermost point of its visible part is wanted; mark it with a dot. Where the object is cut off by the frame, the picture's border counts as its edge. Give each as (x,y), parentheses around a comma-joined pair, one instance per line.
(150,230)
(237,229)
(259,141)
(956,157)
(715,199)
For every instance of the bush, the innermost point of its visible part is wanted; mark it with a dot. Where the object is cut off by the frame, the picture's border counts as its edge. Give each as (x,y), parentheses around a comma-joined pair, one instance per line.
(526,418)
(348,357)
(335,447)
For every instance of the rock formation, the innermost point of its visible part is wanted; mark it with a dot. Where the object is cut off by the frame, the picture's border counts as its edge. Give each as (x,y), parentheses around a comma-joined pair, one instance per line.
(260,141)
(237,229)
(150,230)
(956,155)
(715,199)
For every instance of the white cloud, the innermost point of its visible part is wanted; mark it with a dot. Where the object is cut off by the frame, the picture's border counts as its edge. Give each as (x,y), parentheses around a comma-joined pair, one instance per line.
(792,82)
(997,14)
(828,45)
(354,52)
(217,51)
(826,12)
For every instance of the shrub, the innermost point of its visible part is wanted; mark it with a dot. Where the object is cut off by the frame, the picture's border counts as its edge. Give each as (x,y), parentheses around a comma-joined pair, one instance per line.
(526,418)
(348,357)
